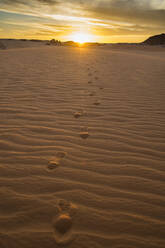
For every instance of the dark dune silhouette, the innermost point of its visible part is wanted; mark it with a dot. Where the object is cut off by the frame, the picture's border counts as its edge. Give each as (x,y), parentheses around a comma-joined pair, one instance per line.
(155,40)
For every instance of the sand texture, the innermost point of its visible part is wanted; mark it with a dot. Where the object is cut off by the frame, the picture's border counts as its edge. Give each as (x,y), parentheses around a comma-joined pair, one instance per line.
(13,44)
(82,148)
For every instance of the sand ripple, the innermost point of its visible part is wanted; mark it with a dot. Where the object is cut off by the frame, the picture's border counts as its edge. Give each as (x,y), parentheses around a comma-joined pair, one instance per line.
(98,178)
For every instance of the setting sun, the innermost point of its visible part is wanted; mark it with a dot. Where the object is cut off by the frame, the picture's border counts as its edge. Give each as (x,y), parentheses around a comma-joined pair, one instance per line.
(81,37)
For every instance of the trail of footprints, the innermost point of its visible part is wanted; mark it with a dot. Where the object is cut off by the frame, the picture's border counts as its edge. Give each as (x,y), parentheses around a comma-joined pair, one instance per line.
(85,134)
(63,222)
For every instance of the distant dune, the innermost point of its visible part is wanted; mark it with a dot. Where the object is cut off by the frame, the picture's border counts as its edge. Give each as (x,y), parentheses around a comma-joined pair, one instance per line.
(23,43)
(12,43)
(155,40)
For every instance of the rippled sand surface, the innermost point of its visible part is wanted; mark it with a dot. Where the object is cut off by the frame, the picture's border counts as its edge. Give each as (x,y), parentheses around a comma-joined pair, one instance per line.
(82,148)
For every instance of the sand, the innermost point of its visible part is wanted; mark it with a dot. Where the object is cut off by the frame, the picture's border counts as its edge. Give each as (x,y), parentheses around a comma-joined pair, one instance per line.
(59,189)
(13,43)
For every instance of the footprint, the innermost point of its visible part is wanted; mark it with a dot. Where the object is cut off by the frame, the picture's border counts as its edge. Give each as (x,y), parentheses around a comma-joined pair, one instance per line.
(63,205)
(101,88)
(89,82)
(96,78)
(67,207)
(55,162)
(63,223)
(84,135)
(77,115)
(97,103)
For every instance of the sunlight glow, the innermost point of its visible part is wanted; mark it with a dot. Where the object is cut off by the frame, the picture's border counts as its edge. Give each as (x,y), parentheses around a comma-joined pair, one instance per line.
(81,37)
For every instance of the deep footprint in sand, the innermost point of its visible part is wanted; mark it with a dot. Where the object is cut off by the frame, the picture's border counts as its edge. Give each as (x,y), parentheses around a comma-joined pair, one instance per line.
(89,82)
(84,135)
(77,115)
(55,162)
(63,223)
(97,103)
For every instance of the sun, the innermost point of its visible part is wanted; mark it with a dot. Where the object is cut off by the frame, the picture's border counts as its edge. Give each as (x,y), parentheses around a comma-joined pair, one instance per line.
(81,37)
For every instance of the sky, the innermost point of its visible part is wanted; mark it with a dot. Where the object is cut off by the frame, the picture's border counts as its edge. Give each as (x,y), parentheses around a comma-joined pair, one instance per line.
(96,20)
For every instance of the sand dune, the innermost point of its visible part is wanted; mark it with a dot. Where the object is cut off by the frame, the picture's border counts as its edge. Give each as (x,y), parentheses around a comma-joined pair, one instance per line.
(82,148)
(14,43)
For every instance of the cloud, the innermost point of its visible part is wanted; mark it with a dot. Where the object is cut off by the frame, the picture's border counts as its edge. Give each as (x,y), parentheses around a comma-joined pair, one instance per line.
(15,2)
(107,17)
(133,11)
